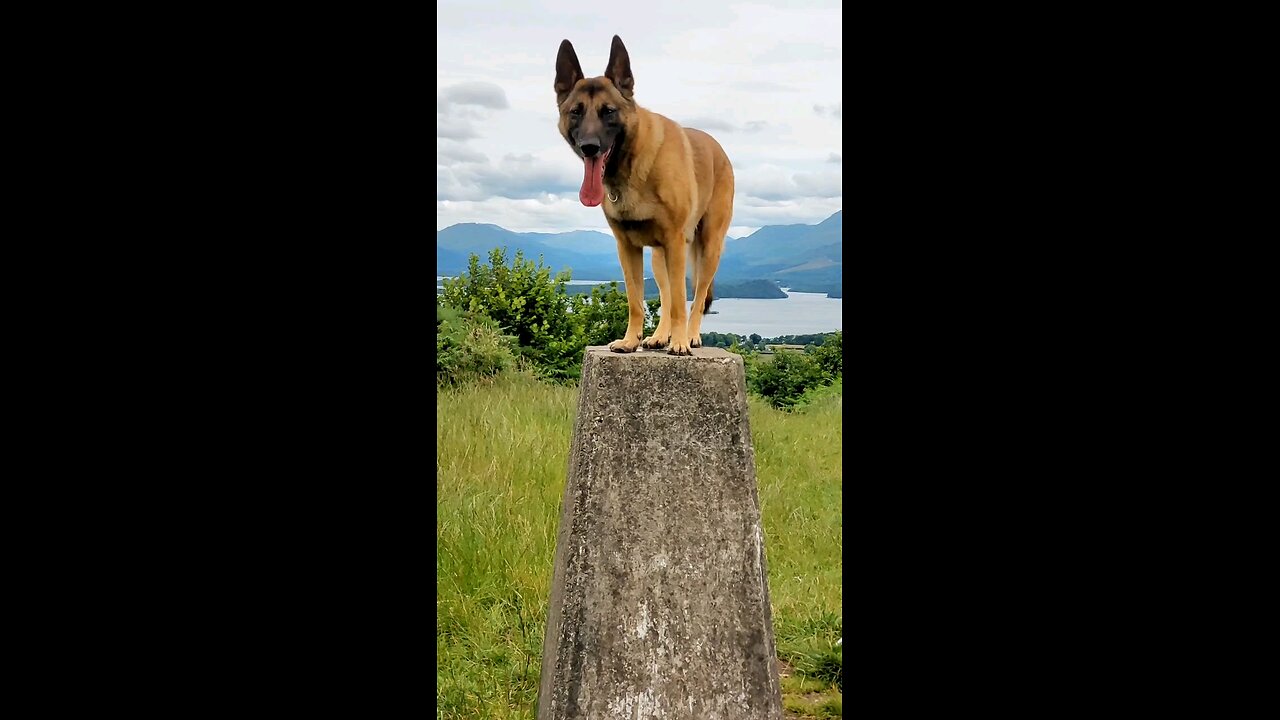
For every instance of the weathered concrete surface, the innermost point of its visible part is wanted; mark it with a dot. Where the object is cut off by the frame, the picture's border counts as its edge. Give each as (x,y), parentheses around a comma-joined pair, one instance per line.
(660,601)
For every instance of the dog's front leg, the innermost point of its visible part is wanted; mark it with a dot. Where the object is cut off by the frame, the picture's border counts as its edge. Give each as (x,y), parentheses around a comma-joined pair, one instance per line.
(661,334)
(632,259)
(679,309)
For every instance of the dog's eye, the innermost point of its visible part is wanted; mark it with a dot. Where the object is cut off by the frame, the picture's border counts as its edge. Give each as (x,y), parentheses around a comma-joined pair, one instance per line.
(577,110)
(608,111)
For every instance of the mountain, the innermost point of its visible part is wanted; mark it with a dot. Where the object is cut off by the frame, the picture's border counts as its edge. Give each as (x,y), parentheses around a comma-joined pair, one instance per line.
(784,242)
(588,254)
(806,258)
(449,258)
(761,289)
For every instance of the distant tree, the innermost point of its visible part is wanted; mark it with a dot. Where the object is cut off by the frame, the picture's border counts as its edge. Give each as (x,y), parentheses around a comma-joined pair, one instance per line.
(785,379)
(551,328)
(469,347)
(527,302)
(603,314)
(830,355)
(755,339)
(789,379)
(651,316)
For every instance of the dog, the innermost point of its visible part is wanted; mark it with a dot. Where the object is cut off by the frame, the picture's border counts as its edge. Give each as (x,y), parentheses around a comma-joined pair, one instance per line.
(662,186)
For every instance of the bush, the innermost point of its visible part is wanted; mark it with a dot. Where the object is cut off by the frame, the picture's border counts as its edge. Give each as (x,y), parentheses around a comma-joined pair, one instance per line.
(444,314)
(603,315)
(527,303)
(726,340)
(551,327)
(814,395)
(651,316)
(469,347)
(784,379)
(830,354)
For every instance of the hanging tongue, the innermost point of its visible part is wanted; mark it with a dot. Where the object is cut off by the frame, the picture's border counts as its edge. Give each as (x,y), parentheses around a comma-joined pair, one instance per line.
(592,192)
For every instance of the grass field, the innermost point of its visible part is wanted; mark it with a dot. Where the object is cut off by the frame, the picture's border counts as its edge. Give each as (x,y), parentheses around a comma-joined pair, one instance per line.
(501,463)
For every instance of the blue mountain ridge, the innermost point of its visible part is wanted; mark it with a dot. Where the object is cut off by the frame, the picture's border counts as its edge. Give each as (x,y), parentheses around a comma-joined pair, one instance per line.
(806,258)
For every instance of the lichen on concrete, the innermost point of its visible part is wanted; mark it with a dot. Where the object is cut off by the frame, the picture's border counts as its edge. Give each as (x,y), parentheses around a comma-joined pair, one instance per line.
(660,601)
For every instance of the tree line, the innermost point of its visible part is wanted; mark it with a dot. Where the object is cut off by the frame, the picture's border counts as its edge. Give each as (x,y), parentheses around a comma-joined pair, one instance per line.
(501,316)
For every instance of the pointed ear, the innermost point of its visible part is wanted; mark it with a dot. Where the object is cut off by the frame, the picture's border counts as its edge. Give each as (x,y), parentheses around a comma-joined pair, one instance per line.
(619,69)
(568,71)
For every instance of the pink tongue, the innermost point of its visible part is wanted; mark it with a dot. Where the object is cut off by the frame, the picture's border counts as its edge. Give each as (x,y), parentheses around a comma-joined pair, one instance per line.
(592,192)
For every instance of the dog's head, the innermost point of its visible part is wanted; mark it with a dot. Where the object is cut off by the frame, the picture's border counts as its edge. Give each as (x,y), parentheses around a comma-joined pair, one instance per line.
(595,113)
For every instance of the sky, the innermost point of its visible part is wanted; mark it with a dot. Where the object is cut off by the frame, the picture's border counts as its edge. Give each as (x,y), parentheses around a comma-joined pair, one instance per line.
(763,77)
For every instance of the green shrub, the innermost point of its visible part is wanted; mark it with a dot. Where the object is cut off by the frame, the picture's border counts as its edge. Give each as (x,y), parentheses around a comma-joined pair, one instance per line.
(783,379)
(445,313)
(830,354)
(550,326)
(817,394)
(651,316)
(528,304)
(789,380)
(469,347)
(603,314)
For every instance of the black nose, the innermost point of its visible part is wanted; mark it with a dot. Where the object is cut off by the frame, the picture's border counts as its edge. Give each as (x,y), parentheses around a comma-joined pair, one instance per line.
(590,150)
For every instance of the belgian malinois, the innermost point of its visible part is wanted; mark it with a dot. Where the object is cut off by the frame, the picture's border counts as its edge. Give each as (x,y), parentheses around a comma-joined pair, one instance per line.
(662,186)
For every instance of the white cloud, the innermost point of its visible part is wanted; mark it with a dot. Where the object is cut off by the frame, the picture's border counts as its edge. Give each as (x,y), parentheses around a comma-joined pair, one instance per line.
(548,213)
(563,212)
(458,105)
(753,212)
(484,94)
(454,128)
(752,74)
(836,111)
(709,124)
(772,182)
(523,176)
(824,184)
(449,152)
(715,124)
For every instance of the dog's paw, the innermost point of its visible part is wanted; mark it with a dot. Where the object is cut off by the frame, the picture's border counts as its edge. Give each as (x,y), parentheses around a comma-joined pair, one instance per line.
(695,341)
(653,341)
(679,347)
(624,345)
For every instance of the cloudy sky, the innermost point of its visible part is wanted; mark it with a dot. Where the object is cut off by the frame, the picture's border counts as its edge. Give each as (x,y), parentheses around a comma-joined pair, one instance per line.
(763,77)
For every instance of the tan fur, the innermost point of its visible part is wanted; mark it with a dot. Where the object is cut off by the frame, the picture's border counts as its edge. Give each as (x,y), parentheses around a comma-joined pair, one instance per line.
(674,193)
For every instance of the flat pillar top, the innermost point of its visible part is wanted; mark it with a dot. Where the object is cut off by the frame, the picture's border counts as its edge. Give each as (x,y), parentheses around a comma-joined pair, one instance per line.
(713,353)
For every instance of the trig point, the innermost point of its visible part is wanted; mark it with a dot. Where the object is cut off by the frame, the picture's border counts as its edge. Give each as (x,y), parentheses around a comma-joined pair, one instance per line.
(660,599)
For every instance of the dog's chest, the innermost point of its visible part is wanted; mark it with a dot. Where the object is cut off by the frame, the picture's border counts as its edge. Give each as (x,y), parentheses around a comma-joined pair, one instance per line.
(628,206)
(631,218)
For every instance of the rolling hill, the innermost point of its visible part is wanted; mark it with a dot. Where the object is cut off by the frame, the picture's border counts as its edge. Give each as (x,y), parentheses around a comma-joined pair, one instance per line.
(806,258)
(759,289)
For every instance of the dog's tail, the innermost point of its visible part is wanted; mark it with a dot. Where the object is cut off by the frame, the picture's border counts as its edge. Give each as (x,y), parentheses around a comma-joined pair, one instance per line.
(711,291)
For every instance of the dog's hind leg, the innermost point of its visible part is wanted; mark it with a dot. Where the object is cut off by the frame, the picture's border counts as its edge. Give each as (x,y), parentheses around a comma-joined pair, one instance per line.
(707,246)
(632,259)
(662,334)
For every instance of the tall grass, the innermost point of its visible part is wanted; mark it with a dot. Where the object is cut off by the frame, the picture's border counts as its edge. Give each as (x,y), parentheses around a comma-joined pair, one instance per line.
(799,469)
(501,462)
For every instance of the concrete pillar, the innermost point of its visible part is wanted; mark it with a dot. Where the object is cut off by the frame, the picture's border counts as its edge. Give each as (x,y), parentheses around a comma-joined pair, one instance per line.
(660,600)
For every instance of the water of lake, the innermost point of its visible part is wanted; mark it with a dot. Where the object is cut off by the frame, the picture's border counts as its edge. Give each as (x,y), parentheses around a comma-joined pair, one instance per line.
(798,314)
